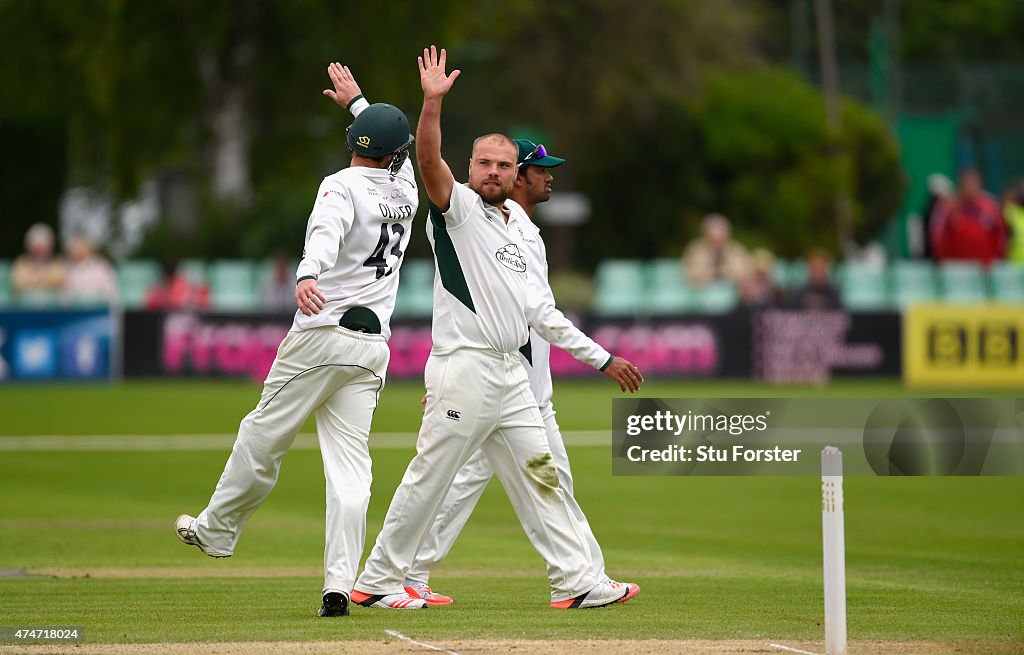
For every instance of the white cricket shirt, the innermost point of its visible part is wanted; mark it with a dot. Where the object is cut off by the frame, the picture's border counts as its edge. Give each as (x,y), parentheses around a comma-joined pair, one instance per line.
(548,325)
(480,281)
(356,237)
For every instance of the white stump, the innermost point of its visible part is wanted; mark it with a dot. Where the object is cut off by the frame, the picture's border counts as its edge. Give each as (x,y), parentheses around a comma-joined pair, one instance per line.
(834,549)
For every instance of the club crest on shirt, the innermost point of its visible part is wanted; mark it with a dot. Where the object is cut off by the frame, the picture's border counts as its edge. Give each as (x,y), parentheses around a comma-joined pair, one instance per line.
(510,256)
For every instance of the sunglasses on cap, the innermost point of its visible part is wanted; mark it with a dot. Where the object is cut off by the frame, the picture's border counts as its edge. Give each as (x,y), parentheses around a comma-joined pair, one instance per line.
(540,152)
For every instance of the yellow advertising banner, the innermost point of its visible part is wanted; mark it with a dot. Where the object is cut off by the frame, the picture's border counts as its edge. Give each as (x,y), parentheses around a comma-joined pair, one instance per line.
(963,345)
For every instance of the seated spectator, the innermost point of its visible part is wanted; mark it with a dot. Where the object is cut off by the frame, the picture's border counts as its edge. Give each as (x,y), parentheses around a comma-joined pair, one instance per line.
(90,278)
(278,292)
(38,274)
(970,226)
(757,289)
(819,292)
(175,291)
(1013,212)
(715,256)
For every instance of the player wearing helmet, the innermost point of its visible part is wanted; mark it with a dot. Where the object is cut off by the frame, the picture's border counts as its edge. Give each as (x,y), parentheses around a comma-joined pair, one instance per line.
(332,363)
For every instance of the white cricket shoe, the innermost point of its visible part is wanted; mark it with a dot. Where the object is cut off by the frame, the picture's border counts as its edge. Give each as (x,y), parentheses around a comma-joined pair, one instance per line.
(601,595)
(185,526)
(632,589)
(402,601)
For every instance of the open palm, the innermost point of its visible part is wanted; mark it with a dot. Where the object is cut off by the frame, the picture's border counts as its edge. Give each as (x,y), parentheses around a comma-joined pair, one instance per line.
(433,79)
(345,87)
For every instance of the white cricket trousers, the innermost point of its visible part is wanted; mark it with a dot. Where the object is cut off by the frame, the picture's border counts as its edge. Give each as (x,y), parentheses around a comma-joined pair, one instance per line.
(480,400)
(338,374)
(469,486)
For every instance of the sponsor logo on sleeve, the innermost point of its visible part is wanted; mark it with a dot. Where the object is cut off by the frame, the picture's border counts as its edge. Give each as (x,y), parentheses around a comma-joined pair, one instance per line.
(524,237)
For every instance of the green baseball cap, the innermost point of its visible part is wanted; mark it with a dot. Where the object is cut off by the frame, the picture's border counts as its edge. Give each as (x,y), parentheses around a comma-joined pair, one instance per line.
(531,154)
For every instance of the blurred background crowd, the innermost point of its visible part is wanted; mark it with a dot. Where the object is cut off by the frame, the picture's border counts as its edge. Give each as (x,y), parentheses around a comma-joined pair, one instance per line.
(724,155)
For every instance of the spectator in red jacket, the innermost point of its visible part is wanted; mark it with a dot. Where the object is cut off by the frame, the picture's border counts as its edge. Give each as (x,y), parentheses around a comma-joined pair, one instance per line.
(970,226)
(175,291)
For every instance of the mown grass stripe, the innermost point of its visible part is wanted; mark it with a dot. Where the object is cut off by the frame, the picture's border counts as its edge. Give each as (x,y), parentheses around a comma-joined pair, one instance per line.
(169,442)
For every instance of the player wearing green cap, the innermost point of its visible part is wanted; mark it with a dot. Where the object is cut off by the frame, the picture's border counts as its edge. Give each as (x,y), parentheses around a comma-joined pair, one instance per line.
(332,363)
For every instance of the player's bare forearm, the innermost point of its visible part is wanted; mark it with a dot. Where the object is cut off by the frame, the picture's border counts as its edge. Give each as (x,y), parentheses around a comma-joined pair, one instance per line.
(437,177)
(625,374)
(428,133)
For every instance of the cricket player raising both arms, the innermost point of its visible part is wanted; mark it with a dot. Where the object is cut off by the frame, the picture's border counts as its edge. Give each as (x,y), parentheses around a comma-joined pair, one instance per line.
(548,326)
(333,360)
(478,392)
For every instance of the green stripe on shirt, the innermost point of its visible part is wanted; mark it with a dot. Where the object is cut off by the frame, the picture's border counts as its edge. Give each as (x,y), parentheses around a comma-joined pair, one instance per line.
(453,278)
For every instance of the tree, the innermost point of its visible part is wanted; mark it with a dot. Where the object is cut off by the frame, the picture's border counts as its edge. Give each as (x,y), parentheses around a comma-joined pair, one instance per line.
(225,96)
(753,147)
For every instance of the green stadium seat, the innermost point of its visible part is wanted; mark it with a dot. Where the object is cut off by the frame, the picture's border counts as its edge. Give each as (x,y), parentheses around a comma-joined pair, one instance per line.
(619,287)
(780,273)
(716,297)
(38,299)
(416,289)
(796,276)
(962,282)
(194,270)
(264,272)
(263,276)
(862,286)
(135,277)
(233,285)
(1007,282)
(667,291)
(5,282)
(912,282)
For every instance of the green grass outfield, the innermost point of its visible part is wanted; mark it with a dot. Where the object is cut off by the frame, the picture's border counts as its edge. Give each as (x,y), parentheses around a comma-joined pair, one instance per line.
(928,559)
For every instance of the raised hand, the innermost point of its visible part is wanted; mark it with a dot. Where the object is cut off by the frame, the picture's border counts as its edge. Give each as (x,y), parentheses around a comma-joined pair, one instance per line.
(345,87)
(433,79)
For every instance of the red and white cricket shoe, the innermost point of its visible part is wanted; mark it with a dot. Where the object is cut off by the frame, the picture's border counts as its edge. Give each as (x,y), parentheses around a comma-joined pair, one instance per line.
(401,601)
(420,590)
(601,595)
(632,589)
